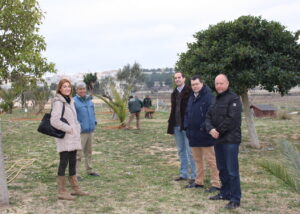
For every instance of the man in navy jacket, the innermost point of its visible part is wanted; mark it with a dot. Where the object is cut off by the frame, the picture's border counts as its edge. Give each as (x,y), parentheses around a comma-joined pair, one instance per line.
(201,142)
(87,119)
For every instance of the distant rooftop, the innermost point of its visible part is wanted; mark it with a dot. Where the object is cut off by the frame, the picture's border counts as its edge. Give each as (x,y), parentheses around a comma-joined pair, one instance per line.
(264,107)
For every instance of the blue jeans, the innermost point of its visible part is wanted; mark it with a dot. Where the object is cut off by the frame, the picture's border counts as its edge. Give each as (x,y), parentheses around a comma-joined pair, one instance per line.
(228,166)
(185,154)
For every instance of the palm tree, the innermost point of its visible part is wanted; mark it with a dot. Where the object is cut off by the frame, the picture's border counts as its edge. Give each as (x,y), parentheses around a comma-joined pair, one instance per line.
(118,104)
(8,97)
(288,170)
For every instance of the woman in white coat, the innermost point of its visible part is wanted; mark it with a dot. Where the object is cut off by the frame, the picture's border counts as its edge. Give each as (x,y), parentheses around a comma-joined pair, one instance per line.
(67,146)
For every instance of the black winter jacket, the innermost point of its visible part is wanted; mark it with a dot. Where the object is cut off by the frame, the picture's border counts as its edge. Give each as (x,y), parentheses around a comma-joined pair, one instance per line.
(225,116)
(194,120)
(186,91)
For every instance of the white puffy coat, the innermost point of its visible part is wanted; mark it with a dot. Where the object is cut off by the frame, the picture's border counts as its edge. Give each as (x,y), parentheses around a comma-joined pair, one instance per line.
(71,141)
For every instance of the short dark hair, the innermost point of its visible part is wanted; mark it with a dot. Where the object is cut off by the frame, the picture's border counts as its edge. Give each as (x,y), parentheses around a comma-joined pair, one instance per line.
(197,77)
(182,74)
(130,97)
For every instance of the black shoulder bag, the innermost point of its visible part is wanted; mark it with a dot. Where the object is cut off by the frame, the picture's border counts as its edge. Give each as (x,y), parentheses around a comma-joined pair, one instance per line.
(46,128)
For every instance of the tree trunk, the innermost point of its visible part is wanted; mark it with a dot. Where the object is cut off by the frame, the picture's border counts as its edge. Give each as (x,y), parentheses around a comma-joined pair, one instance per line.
(254,142)
(41,107)
(115,116)
(23,99)
(4,199)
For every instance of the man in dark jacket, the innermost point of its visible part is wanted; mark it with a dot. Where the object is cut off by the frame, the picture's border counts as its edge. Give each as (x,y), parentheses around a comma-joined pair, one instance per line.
(179,99)
(147,103)
(134,106)
(201,142)
(223,122)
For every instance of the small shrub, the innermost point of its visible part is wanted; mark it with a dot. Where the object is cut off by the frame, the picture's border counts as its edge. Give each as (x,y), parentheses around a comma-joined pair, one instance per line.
(283,115)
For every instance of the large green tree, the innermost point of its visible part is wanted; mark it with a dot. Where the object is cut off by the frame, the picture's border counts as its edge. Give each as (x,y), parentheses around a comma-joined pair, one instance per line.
(252,52)
(20,43)
(20,52)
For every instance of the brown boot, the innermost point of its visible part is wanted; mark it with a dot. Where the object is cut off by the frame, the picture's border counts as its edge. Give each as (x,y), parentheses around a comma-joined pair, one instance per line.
(62,192)
(75,186)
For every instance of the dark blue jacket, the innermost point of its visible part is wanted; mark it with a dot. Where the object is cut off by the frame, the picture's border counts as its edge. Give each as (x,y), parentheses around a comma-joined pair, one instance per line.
(85,113)
(194,120)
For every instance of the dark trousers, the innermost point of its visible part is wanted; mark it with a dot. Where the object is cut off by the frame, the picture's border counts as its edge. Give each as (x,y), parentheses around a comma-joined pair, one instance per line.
(228,166)
(66,158)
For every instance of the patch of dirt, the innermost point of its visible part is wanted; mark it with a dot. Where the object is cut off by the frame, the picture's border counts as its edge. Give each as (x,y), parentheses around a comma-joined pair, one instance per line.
(264,146)
(113,127)
(107,121)
(295,136)
(158,120)
(96,153)
(171,159)
(155,149)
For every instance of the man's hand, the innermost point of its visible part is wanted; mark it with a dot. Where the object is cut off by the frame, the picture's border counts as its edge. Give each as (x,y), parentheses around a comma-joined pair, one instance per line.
(214,133)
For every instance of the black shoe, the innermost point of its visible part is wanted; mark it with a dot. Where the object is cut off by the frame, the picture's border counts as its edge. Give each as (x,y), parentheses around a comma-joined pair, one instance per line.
(212,189)
(191,181)
(93,174)
(232,205)
(218,197)
(180,179)
(194,185)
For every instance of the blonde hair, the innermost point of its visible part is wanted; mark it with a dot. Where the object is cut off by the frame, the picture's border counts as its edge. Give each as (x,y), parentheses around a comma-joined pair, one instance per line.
(61,82)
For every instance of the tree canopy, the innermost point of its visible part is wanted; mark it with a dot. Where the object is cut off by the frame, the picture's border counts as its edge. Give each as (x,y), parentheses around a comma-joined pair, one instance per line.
(250,50)
(90,80)
(20,43)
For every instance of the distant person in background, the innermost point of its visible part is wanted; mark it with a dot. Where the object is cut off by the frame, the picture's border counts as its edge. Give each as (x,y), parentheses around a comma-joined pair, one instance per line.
(134,106)
(147,103)
(223,122)
(201,142)
(87,119)
(179,100)
(67,146)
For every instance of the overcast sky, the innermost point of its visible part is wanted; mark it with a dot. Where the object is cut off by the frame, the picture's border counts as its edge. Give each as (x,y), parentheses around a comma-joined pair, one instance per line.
(101,35)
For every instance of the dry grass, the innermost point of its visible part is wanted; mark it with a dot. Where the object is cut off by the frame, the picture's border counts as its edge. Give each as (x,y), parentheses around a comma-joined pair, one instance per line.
(283,115)
(137,170)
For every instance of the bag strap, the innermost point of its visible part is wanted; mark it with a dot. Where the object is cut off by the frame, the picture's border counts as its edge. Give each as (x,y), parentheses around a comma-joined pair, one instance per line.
(63,111)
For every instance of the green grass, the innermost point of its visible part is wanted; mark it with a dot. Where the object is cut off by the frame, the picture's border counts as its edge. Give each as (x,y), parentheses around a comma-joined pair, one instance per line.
(137,169)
